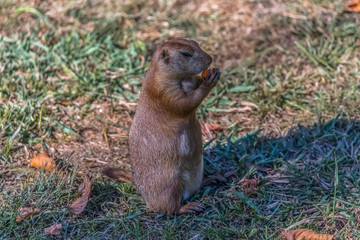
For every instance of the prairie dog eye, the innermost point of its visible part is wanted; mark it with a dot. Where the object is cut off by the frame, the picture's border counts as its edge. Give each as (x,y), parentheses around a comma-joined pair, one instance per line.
(186,54)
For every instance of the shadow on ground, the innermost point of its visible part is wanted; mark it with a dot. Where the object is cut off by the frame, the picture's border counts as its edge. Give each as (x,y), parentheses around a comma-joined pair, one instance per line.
(309,178)
(312,172)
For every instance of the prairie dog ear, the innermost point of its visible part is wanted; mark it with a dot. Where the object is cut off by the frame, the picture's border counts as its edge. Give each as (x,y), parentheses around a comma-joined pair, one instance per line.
(165,56)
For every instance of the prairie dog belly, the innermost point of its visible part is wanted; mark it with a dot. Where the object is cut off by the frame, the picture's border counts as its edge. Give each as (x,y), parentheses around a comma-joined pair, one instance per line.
(192,170)
(192,183)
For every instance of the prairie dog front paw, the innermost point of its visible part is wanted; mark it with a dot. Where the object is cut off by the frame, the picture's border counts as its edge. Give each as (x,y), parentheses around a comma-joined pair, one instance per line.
(211,77)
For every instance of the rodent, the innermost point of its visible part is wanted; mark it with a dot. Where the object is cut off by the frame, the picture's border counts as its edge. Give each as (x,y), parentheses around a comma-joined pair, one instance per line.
(165,141)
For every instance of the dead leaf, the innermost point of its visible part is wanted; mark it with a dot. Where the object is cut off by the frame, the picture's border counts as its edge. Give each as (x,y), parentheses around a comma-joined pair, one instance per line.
(42,160)
(353,5)
(25,213)
(142,61)
(213,127)
(218,177)
(213,179)
(305,234)
(79,204)
(239,109)
(105,136)
(323,81)
(230,173)
(249,104)
(65,102)
(53,230)
(258,167)
(249,185)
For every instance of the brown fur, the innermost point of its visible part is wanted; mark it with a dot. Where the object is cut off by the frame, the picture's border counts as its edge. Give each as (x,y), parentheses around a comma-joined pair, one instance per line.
(118,174)
(165,137)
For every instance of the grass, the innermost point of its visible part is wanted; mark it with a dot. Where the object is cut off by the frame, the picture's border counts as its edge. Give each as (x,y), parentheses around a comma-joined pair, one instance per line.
(289,105)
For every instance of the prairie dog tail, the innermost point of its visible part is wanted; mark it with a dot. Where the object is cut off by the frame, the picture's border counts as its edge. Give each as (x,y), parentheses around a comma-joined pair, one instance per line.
(118,174)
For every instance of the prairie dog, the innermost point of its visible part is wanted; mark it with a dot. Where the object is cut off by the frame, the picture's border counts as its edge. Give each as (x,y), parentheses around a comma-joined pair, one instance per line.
(165,142)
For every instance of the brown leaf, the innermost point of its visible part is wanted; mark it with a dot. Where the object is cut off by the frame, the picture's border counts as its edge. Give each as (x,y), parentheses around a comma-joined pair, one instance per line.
(42,160)
(249,185)
(305,234)
(218,178)
(258,167)
(79,204)
(53,230)
(213,127)
(25,213)
(353,5)
(65,102)
(210,127)
(230,173)
(213,179)
(240,109)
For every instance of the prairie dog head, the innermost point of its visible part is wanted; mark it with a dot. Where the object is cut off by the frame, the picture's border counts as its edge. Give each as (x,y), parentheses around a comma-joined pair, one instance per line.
(181,58)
